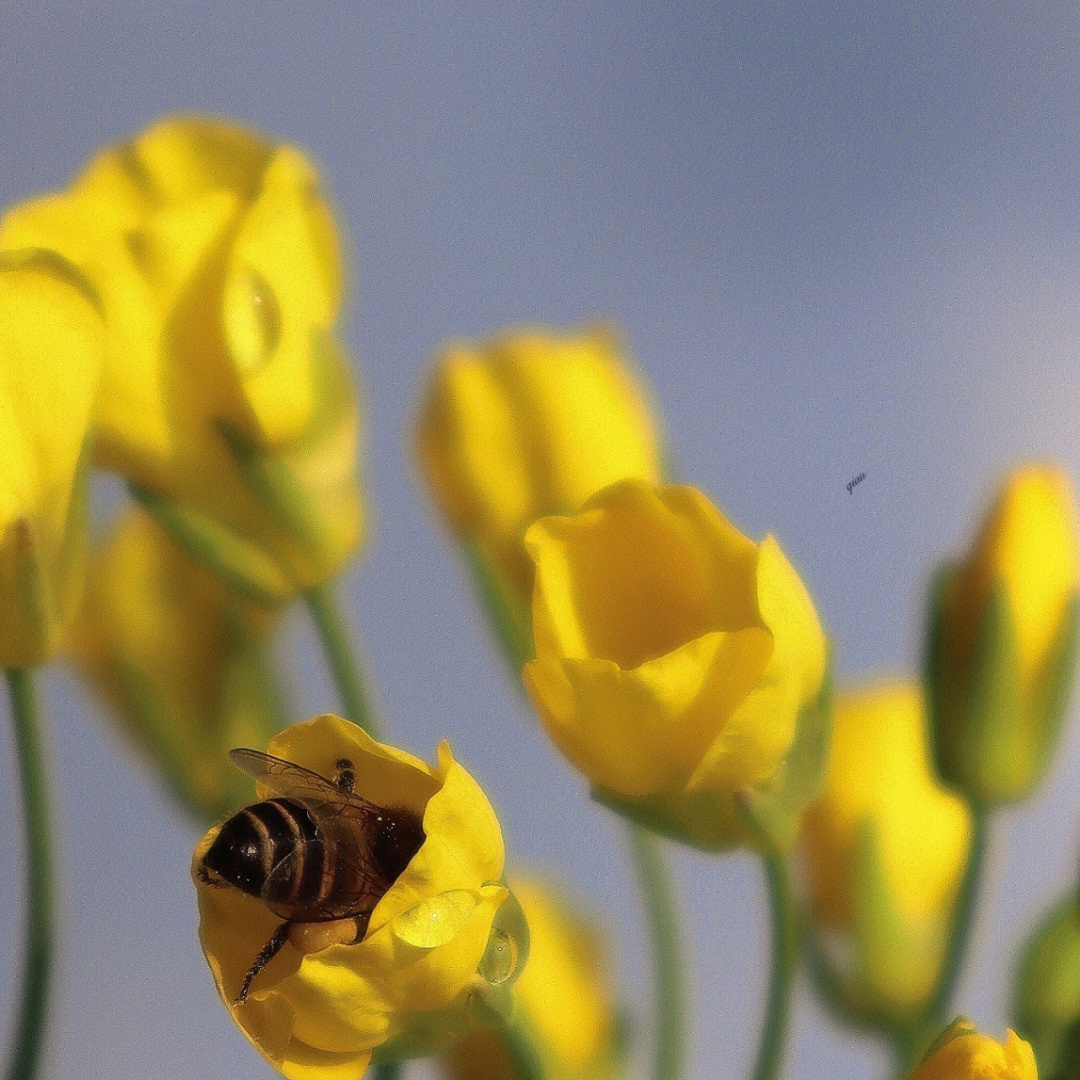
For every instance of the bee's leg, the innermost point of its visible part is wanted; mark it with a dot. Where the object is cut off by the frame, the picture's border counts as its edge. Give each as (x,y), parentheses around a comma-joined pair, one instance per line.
(345,775)
(266,954)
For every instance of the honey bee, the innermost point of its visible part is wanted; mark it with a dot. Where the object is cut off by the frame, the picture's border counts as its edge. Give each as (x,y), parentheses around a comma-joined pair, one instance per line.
(317,853)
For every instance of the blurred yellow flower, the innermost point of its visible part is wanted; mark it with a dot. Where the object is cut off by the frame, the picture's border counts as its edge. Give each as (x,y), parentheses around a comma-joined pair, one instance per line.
(674,656)
(971,1056)
(434,953)
(563,996)
(50,367)
(1003,641)
(527,424)
(1048,986)
(885,849)
(180,660)
(218,266)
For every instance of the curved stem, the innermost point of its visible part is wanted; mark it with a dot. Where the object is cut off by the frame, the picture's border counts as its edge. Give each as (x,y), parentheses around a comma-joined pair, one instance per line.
(785,936)
(667,958)
(343,657)
(933,1018)
(39,932)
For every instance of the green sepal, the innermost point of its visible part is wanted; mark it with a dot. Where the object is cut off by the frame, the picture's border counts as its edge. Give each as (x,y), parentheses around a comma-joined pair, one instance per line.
(957,1029)
(1069,1066)
(278,492)
(777,804)
(1047,993)
(240,565)
(890,956)
(992,740)
(1056,685)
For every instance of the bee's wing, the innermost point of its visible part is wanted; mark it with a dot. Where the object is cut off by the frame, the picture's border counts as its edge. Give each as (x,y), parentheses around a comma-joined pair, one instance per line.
(307,787)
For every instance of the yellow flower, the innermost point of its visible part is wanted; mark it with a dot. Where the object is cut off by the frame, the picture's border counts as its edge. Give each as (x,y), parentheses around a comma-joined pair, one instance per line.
(675,657)
(1003,640)
(527,424)
(1048,987)
(971,1056)
(885,849)
(562,996)
(218,266)
(180,660)
(50,365)
(434,945)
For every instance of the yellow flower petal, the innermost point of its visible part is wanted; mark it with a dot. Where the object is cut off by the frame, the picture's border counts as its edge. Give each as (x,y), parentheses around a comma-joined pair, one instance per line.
(50,365)
(977,1057)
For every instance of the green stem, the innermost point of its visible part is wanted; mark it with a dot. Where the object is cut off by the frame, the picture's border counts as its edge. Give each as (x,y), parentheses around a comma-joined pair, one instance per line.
(524,1052)
(342,656)
(785,939)
(928,1024)
(667,959)
(389,1071)
(30,1028)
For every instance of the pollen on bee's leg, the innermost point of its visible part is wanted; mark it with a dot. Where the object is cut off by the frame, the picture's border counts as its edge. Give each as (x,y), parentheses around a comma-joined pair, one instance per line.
(313,937)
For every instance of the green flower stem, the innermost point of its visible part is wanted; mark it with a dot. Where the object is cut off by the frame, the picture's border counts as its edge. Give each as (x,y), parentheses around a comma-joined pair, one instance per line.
(389,1071)
(343,657)
(785,951)
(933,1018)
(667,954)
(524,1052)
(30,1028)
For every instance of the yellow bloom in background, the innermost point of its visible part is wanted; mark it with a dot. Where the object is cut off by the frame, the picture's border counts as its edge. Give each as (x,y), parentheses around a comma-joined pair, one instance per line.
(884,849)
(50,367)
(436,950)
(1003,641)
(675,658)
(1048,988)
(563,996)
(180,660)
(527,424)
(218,266)
(967,1055)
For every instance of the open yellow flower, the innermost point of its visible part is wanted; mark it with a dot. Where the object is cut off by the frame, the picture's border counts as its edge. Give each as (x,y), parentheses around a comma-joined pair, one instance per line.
(1003,641)
(967,1055)
(527,424)
(179,658)
(675,658)
(50,367)
(218,267)
(434,950)
(885,849)
(563,996)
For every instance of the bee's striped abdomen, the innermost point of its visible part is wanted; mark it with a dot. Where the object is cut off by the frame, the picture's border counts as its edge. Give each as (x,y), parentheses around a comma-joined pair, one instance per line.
(273,850)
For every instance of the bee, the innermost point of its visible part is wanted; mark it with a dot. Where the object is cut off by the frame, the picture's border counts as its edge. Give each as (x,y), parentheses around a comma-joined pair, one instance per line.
(316,853)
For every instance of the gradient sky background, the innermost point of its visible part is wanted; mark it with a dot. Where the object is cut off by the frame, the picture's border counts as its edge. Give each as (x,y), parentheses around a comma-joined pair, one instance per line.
(837,240)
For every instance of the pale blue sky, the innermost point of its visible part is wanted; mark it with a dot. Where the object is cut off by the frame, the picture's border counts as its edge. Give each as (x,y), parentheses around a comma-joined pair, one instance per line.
(839,238)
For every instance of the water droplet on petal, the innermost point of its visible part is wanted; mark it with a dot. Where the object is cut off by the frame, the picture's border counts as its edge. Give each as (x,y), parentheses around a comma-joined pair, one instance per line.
(500,959)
